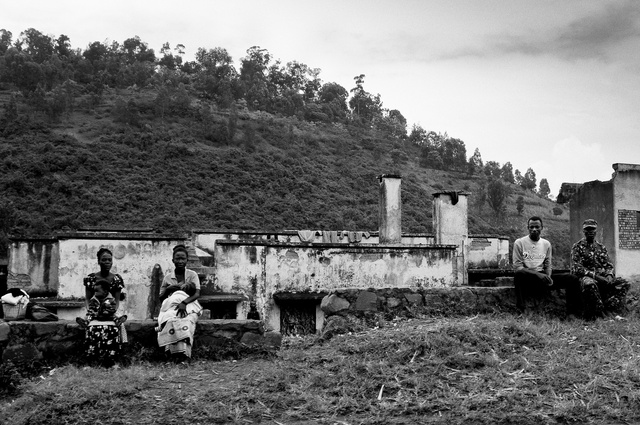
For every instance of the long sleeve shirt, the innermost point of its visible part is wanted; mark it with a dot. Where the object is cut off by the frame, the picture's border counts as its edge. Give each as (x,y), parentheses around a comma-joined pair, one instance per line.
(534,255)
(590,257)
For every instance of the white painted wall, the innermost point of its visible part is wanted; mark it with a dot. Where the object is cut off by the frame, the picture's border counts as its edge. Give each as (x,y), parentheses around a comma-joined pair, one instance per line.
(261,270)
(487,252)
(626,196)
(134,260)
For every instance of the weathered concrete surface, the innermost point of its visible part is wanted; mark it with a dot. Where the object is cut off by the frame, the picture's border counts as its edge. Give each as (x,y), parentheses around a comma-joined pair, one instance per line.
(25,341)
(259,269)
(390,211)
(205,240)
(487,252)
(594,200)
(615,204)
(626,197)
(450,218)
(33,266)
(451,227)
(133,259)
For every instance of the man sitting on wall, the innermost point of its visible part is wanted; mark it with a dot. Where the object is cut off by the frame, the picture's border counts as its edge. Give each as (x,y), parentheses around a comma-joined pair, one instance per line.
(532,261)
(601,291)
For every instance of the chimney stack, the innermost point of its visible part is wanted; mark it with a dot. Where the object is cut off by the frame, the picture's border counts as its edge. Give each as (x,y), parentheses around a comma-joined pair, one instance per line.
(450,225)
(390,214)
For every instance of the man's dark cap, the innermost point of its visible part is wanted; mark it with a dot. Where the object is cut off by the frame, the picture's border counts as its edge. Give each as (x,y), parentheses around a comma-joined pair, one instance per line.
(590,223)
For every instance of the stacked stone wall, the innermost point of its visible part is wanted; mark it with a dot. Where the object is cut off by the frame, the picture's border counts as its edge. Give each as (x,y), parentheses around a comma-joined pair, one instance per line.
(27,341)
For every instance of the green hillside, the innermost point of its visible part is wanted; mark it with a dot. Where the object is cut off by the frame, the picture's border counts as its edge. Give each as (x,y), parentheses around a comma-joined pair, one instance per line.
(172,158)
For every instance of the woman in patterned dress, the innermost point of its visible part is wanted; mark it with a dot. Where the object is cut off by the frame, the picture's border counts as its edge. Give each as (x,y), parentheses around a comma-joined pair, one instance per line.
(103,339)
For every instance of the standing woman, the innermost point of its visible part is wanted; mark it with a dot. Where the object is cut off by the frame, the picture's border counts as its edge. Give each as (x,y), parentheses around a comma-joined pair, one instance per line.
(104,339)
(180,309)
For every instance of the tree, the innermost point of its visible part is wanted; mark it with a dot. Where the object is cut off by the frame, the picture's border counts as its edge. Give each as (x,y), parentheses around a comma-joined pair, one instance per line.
(136,50)
(5,41)
(393,123)
(506,173)
(96,52)
(480,200)
(168,60)
(520,204)
(366,107)
(517,175)
(544,189)
(37,45)
(529,180)
(332,98)
(63,46)
(21,70)
(253,77)
(418,135)
(496,196)
(475,164)
(492,169)
(8,218)
(215,76)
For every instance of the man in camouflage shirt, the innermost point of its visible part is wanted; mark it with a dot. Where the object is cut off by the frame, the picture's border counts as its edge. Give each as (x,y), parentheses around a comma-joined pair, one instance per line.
(601,291)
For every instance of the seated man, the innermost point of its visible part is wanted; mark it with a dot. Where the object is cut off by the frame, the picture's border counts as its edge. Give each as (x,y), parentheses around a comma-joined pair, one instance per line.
(532,261)
(601,291)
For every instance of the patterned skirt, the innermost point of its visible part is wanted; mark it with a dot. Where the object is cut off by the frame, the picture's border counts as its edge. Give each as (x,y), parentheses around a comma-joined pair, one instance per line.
(102,343)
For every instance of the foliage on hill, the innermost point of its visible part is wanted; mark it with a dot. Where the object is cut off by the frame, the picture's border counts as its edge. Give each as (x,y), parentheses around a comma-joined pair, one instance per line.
(114,136)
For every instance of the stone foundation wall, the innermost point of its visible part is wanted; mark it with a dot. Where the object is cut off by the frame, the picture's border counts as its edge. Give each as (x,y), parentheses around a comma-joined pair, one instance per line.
(25,341)
(348,310)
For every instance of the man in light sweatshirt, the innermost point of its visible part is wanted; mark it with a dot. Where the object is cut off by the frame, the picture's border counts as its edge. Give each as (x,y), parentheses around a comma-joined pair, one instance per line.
(532,261)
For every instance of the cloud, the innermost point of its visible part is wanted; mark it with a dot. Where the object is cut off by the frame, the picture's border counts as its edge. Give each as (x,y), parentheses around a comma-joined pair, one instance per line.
(601,35)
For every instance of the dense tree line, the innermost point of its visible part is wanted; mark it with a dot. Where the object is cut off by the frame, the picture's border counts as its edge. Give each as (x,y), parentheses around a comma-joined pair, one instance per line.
(265,146)
(49,74)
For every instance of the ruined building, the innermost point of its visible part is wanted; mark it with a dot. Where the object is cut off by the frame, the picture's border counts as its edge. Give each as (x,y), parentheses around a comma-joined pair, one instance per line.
(279,278)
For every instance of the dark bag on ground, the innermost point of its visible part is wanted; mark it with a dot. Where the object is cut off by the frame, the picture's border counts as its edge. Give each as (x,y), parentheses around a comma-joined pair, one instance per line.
(40,313)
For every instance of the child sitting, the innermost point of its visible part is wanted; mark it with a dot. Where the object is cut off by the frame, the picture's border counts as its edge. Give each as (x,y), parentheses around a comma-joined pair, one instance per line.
(102,306)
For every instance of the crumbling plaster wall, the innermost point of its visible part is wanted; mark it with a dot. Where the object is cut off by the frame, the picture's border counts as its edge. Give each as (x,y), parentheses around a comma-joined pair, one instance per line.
(626,216)
(487,252)
(33,266)
(133,259)
(594,200)
(206,240)
(261,269)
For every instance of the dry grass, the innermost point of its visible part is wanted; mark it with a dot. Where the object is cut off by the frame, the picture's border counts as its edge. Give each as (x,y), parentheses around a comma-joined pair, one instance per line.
(483,369)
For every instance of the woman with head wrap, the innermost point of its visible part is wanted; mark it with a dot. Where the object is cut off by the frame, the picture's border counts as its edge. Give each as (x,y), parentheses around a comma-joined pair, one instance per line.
(180,309)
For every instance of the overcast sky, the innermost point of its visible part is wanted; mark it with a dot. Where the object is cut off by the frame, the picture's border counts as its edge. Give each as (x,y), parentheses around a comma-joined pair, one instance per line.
(551,85)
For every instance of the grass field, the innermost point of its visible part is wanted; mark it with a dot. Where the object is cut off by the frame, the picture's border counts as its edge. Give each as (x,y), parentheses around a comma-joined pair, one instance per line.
(475,370)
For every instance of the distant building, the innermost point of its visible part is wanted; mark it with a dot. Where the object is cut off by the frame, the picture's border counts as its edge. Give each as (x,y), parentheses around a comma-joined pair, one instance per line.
(567,190)
(615,204)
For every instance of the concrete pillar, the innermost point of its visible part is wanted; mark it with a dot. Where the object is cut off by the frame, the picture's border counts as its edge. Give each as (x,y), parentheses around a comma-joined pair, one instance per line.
(390,211)
(450,226)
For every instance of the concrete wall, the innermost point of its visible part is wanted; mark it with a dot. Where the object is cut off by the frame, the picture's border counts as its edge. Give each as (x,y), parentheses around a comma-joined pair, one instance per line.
(33,266)
(390,209)
(487,252)
(133,259)
(259,270)
(626,218)
(205,240)
(594,200)
(56,267)
(450,225)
